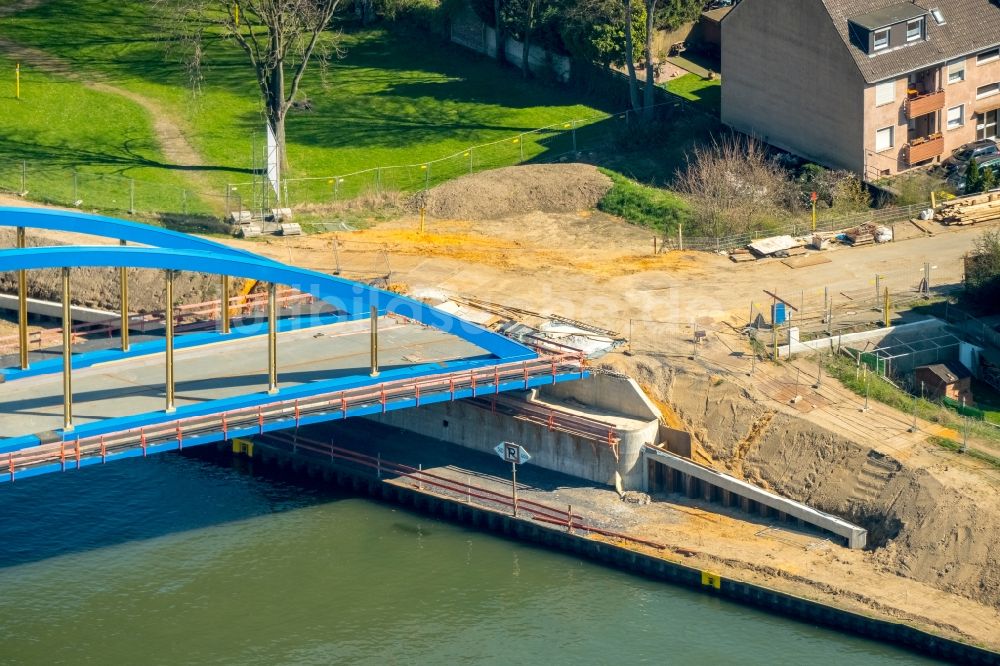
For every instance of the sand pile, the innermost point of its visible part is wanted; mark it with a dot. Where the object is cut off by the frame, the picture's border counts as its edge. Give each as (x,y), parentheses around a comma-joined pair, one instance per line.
(98,287)
(947,537)
(550,188)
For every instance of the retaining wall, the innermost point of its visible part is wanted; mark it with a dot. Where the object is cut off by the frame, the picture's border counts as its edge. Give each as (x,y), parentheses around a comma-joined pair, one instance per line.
(695,480)
(621,557)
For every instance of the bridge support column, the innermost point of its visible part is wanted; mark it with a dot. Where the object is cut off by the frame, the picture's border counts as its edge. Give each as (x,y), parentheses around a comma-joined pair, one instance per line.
(272,338)
(225,303)
(374,343)
(170,342)
(22,307)
(67,326)
(123,287)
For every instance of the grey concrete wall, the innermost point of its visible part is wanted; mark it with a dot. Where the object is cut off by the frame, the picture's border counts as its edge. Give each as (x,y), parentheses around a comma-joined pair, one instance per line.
(615,394)
(855,536)
(54,310)
(479,429)
(789,79)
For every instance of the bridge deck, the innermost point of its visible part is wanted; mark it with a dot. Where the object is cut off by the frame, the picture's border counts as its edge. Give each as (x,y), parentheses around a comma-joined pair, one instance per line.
(223,370)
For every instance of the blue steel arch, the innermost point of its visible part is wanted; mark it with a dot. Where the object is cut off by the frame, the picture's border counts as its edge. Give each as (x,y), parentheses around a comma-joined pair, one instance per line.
(110,227)
(354,298)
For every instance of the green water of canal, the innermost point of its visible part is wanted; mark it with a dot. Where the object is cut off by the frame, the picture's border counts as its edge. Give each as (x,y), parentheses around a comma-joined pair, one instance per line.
(181,559)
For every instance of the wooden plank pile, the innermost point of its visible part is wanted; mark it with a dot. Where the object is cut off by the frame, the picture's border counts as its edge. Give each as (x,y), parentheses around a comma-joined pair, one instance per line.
(863,234)
(970,210)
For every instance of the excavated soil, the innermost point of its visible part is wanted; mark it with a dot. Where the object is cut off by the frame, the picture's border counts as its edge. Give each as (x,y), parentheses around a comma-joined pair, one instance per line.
(499,193)
(98,287)
(945,537)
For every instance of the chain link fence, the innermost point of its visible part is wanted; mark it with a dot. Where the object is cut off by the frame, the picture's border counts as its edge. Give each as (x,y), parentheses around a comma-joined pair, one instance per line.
(798,227)
(106,192)
(545,144)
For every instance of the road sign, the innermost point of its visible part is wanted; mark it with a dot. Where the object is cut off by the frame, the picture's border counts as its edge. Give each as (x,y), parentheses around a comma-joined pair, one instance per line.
(512,453)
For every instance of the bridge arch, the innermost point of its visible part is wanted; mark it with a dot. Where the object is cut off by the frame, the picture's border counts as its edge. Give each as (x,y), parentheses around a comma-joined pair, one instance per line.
(109,227)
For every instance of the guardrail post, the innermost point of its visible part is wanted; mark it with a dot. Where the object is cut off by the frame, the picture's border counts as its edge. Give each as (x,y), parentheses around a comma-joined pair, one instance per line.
(67,324)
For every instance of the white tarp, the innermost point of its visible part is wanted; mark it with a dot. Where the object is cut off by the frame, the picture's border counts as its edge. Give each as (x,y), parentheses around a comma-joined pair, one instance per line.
(273,167)
(766,246)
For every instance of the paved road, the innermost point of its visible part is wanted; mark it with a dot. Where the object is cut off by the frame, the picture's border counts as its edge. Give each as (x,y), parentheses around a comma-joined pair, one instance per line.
(222,370)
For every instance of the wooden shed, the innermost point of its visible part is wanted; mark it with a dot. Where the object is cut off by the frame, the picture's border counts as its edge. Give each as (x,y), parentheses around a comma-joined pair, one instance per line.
(950,379)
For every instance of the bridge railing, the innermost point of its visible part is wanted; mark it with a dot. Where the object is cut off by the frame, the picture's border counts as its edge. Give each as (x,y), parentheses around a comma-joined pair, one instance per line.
(73,452)
(185,318)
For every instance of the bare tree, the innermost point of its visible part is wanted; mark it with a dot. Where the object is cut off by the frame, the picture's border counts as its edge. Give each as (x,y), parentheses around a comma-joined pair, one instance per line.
(279,38)
(735,186)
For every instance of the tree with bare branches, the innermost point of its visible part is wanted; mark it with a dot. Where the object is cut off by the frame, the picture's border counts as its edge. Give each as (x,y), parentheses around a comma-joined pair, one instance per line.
(735,186)
(279,38)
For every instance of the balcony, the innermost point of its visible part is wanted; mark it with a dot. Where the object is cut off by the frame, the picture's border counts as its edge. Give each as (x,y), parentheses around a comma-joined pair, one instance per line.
(926,148)
(918,104)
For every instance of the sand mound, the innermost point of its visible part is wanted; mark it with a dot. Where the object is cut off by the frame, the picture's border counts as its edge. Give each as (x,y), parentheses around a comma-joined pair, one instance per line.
(550,188)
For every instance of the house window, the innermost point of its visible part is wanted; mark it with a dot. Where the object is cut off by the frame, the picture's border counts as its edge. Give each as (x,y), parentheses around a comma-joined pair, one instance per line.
(885,93)
(881,39)
(956,70)
(915,29)
(988,56)
(986,125)
(987,91)
(938,16)
(956,117)
(883,139)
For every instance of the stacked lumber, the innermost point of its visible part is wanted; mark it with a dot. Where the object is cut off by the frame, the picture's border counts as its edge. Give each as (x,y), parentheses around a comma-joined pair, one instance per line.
(863,234)
(742,254)
(970,210)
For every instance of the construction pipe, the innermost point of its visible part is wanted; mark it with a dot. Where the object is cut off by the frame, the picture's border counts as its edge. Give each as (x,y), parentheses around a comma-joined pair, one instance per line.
(67,331)
(22,307)
(123,286)
(374,342)
(272,339)
(169,321)
(225,304)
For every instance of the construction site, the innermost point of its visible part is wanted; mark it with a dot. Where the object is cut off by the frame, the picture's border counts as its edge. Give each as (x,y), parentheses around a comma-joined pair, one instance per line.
(718,427)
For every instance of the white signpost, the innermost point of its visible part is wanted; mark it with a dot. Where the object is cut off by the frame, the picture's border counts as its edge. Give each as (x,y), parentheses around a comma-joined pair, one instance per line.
(515,455)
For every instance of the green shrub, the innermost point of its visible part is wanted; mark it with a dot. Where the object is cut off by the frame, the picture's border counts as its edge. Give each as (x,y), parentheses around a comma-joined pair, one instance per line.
(643,205)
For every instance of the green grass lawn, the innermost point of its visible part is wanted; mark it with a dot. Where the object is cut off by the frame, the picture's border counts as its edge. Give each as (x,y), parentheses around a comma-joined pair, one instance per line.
(393,99)
(698,89)
(59,127)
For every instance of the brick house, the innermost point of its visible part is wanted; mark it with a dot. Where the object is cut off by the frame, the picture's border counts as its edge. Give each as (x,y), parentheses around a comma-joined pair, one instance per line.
(874,86)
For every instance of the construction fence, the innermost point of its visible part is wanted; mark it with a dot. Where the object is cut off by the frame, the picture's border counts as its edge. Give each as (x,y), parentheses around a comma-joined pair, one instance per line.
(106,192)
(782,316)
(557,142)
(882,216)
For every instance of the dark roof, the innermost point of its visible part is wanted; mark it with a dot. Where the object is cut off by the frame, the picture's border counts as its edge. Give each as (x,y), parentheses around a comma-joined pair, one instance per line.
(889,15)
(948,372)
(969,26)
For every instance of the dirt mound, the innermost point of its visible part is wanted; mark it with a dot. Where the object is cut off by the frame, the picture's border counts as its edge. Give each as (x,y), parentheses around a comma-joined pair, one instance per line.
(947,537)
(550,188)
(98,287)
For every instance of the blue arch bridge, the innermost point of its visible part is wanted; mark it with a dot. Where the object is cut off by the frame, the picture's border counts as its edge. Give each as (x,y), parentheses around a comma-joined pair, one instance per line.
(328,349)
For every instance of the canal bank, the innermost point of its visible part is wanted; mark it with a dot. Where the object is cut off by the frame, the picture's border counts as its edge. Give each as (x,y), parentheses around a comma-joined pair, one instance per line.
(475,505)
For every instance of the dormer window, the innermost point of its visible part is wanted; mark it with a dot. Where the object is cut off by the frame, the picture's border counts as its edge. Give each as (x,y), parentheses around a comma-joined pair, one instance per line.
(881,39)
(915,29)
